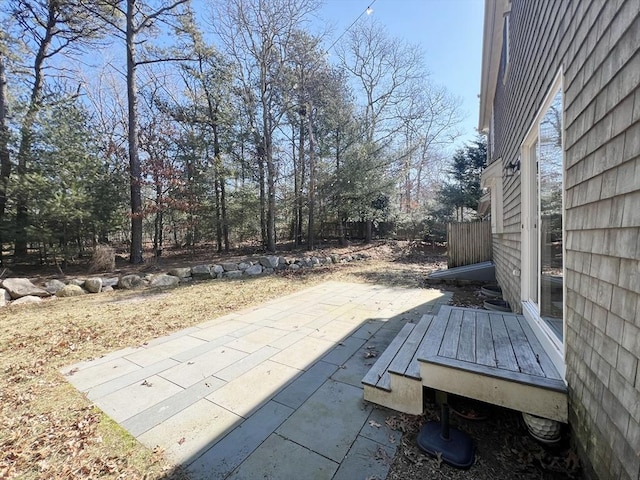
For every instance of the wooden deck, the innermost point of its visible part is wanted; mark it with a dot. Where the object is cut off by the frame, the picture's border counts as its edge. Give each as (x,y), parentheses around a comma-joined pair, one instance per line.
(489,356)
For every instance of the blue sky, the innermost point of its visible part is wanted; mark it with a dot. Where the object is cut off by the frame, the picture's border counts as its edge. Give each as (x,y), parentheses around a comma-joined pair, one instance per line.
(449,31)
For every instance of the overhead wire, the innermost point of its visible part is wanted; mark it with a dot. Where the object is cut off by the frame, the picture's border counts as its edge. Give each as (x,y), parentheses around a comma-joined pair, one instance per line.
(366,11)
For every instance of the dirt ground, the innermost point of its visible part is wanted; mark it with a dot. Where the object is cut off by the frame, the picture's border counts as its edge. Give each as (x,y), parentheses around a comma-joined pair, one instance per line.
(50,431)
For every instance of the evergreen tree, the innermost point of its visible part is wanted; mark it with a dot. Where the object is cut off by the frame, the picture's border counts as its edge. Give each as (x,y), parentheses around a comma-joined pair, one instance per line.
(462,192)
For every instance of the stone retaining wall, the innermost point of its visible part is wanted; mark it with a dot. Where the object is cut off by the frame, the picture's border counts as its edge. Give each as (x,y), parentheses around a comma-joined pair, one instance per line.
(16,291)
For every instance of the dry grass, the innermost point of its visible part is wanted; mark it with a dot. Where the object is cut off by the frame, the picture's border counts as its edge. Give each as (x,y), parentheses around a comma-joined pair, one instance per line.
(49,430)
(103,259)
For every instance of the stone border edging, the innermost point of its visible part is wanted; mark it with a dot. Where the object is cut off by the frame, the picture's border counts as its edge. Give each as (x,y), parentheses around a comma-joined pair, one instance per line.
(16,291)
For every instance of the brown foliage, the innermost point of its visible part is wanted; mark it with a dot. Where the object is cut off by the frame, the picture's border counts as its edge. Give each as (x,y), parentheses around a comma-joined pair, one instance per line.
(103,259)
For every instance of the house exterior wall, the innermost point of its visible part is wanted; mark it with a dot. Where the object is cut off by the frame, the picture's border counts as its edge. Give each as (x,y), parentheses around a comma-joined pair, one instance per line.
(597,45)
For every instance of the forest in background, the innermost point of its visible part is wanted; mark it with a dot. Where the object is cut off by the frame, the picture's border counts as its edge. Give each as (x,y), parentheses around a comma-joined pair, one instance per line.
(148,124)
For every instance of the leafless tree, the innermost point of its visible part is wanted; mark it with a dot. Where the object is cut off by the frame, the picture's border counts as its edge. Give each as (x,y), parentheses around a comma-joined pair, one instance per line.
(258,36)
(141,20)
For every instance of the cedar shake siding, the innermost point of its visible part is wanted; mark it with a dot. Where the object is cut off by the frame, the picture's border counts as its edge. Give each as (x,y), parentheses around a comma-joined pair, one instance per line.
(596,45)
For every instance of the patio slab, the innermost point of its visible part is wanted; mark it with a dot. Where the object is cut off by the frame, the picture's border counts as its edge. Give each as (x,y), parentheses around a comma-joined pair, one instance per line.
(272,391)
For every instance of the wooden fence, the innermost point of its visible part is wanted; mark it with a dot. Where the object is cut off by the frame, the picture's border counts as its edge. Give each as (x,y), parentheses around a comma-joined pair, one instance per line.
(468,243)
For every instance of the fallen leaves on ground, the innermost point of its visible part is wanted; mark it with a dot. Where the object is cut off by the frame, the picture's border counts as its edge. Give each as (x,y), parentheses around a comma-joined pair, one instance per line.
(48,430)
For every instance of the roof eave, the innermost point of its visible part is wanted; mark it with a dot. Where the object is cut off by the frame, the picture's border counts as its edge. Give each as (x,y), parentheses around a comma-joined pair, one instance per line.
(491,50)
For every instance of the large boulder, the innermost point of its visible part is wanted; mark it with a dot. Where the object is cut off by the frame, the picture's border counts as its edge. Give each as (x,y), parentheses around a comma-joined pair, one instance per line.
(233,274)
(180,272)
(70,291)
(110,282)
(217,271)
(5,298)
(22,287)
(269,261)
(52,286)
(93,285)
(242,266)
(127,282)
(254,269)
(201,271)
(27,299)
(164,281)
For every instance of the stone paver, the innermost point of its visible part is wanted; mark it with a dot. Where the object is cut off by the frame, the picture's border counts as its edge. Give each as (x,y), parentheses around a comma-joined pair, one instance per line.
(270,392)
(329,421)
(233,449)
(281,459)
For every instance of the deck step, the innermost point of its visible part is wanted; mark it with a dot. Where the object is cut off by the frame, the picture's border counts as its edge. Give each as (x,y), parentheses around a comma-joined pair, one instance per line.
(394,380)
(493,357)
(378,375)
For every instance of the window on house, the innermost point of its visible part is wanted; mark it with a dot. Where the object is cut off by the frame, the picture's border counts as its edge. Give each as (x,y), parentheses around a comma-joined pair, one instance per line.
(550,215)
(542,213)
(504,60)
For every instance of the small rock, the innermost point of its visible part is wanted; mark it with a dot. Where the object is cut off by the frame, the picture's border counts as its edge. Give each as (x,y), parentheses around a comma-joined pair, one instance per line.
(180,272)
(22,287)
(229,267)
(164,281)
(315,261)
(242,266)
(70,291)
(26,299)
(128,282)
(233,274)
(93,285)
(5,298)
(52,286)
(201,271)
(335,258)
(254,269)
(77,281)
(328,261)
(294,266)
(282,263)
(268,271)
(108,288)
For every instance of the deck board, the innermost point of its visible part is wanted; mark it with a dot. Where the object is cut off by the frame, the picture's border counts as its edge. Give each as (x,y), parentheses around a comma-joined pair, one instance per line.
(544,361)
(485,353)
(525,356)
(505,356)
(467,346)
(451,339)
(378,375)
(406,363)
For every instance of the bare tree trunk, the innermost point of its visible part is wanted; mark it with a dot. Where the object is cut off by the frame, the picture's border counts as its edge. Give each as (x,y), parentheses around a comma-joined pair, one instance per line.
(223,205)
(263,199)
(5,158)
(300,183)
(341,236)
(294,220)
(158,223)
(135,171)
(312,185)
